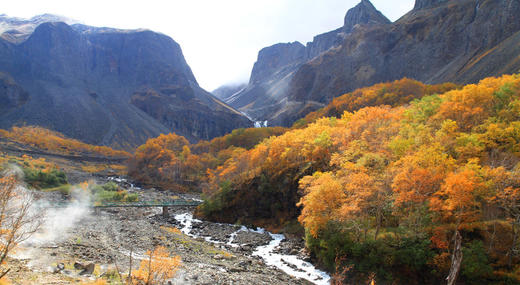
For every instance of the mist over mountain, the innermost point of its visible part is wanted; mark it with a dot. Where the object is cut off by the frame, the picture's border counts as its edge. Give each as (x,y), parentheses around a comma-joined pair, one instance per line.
(226,91)
(438,41)
(102,85)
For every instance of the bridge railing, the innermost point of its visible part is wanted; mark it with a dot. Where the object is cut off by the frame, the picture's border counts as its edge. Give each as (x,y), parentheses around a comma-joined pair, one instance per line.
(139,204)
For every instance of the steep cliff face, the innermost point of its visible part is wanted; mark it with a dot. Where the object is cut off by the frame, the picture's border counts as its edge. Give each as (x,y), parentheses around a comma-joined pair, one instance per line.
(82,81)
(461,41)
(266,93)
(273,58)
(363,14)
(269,79)
(444,41)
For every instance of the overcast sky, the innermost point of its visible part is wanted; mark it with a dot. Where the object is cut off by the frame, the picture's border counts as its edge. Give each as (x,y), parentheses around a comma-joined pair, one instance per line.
(220,38)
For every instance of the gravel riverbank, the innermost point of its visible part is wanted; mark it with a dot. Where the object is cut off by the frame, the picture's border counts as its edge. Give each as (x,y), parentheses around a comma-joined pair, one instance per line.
(211,253)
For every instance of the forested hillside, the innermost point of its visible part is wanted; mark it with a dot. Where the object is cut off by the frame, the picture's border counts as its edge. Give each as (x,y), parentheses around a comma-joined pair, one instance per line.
(55,142)
(170,162)
(381,190)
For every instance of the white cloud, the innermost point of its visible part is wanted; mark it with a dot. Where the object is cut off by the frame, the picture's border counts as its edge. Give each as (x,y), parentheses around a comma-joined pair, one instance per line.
(220,39)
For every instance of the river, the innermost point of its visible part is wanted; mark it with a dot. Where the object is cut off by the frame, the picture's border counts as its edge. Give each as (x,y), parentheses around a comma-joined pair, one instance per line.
(290,264)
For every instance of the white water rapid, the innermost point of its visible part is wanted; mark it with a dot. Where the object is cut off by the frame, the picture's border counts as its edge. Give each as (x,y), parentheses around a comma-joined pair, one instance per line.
(290,264)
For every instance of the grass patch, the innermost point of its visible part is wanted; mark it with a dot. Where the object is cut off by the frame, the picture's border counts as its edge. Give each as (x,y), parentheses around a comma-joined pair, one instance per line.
(63,189)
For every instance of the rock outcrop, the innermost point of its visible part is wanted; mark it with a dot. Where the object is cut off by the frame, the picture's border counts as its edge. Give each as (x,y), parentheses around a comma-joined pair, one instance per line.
(460,41)
(363,14)
(269,79)
(266,93)
(105,86)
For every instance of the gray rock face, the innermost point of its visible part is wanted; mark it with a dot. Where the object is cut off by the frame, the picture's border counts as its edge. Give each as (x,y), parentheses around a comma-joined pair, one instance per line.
(450,41)
(273,58)
(98,85)
(324,42)
(460,41)
(269,78)
(266,94)
(11,95)
(421,4)
(363,14)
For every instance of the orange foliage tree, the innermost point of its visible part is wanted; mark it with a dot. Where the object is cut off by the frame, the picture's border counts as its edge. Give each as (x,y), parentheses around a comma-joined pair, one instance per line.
(157,269)
(165,161)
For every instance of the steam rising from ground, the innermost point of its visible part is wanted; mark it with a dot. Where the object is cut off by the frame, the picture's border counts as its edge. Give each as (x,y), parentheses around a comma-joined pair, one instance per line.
(59,218)
(52,219)
(56,219)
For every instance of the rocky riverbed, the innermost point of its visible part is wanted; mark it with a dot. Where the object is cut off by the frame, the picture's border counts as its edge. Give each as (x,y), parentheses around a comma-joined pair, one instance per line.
(89,243)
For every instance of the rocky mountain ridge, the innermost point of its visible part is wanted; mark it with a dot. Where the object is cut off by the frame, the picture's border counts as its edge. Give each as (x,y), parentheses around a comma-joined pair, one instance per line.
(439,40)
(276,65)
(105,86)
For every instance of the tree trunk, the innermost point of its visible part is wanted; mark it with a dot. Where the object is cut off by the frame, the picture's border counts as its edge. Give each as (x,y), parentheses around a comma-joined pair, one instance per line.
(130,270)
(378,223)
(492,241)
(149,279)
(165,213)
(512,249)
(456,259)
(5,273)
(118,272)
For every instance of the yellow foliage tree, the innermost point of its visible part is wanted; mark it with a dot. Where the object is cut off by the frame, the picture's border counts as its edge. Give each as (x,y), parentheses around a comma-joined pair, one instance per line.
(158,268)
(324,195)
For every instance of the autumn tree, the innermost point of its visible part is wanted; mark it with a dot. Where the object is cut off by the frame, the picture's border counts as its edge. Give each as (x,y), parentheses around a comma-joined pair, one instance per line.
(416,178)
(323,196)
(17,219)
(157,268)
(456,201)
(507,197)
(165,161)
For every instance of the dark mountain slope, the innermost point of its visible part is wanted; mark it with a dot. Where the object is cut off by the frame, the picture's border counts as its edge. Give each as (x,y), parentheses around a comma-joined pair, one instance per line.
(461,41)
(444,41)
(266,93)
(108,86)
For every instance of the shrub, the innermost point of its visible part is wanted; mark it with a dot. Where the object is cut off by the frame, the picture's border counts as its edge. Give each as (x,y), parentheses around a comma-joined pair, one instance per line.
(104,196)
(393,261)
(131,197)
(475,263)
(41,179)
(110,186)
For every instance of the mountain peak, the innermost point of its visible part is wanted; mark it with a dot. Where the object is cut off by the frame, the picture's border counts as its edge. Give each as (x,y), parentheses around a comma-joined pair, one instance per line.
(364,13)
(17,30)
